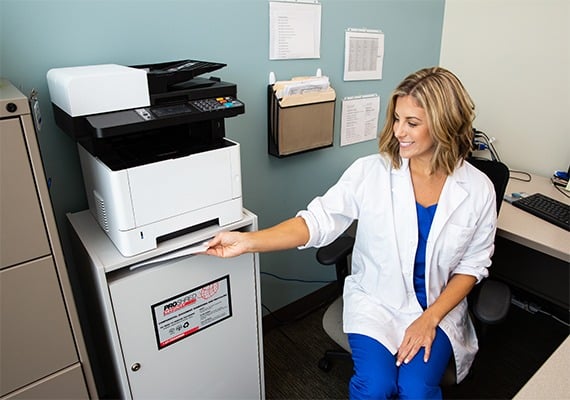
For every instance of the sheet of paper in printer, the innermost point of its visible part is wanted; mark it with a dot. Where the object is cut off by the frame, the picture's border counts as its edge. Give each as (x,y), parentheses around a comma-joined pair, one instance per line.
(187,251)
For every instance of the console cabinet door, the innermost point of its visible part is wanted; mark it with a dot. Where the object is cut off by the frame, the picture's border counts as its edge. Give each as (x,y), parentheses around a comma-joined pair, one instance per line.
(187,326)
(22,230)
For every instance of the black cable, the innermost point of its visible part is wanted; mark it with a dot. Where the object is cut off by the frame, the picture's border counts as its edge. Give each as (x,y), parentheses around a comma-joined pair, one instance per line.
(302,315)
(292,279)
(526,174)
(563,191)
(488,143)
(280,323)
(299,317)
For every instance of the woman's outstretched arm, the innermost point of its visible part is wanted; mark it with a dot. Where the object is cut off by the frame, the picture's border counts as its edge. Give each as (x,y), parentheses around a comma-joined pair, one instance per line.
(286,235)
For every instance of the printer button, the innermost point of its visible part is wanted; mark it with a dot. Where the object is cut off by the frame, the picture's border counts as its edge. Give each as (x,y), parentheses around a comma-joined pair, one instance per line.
(144,114)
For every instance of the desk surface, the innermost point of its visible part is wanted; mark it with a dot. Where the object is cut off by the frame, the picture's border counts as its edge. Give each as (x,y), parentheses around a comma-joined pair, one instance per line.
(530,231)
(552,380)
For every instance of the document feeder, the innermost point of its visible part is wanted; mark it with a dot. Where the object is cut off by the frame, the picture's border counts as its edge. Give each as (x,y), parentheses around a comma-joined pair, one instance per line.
(155,170)
(162,77)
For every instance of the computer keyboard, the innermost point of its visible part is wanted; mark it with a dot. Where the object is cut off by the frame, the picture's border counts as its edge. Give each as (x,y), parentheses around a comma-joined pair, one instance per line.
(547,208)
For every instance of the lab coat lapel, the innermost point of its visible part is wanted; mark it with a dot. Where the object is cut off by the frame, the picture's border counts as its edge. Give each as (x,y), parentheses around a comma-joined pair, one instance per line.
(405,216)
(452,195)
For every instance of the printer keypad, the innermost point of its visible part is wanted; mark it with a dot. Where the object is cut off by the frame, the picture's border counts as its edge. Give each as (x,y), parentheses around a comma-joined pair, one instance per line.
(216,104)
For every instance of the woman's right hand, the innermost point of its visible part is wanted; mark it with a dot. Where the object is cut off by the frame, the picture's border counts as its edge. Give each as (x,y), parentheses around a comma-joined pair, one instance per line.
(228,244)
(286,235)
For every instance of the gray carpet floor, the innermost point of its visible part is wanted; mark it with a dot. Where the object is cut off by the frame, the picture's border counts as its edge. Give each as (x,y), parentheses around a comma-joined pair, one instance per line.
(291,356)
(511,353)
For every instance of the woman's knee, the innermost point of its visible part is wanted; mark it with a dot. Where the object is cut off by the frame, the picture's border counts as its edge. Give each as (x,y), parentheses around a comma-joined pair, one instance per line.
(419,390)
(375,373)
(419,379)
(378,386)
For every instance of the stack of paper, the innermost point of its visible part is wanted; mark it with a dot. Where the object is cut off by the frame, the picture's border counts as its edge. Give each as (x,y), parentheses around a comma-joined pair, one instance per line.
(303,90)
(301,85)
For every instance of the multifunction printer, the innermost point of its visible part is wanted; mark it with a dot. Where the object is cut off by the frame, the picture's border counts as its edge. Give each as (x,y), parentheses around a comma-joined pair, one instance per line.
(152,146)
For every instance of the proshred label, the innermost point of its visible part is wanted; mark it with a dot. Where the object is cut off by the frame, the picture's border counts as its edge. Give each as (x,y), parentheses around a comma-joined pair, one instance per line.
(187,313)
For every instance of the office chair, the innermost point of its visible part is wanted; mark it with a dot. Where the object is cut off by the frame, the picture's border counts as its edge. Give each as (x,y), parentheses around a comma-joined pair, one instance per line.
(488,302)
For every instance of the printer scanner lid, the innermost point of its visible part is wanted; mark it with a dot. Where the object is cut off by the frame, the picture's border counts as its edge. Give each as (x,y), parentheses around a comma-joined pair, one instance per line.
(162,77)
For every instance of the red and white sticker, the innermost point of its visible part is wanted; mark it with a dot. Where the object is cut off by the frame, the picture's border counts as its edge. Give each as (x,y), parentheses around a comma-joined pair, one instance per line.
(187,313)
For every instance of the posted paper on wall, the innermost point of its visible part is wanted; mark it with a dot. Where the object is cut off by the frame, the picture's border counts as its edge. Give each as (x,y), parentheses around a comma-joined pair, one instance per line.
(363,54)
(294,30)
(359,119)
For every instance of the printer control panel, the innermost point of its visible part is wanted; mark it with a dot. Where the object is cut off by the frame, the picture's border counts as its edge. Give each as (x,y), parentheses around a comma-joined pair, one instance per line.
(216,104)
(165,111)
(160,116)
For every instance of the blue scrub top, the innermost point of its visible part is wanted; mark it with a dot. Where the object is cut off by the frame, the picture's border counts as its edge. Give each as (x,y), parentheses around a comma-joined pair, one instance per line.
(425,218)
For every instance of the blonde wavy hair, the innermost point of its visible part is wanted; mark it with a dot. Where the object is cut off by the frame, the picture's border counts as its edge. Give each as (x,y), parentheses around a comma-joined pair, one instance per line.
(450,113)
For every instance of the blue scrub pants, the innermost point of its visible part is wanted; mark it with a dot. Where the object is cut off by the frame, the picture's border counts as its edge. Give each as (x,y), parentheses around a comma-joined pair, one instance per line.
(377,377)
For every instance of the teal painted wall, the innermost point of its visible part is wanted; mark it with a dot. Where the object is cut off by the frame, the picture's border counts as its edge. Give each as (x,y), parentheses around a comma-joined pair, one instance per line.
(37,35)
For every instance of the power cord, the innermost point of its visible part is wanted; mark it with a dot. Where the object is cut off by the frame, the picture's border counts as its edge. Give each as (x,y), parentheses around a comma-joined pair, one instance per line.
(527,176)
(483,142)
(281,323)
(293,279)
(563,191)
(534,308)
(299,317)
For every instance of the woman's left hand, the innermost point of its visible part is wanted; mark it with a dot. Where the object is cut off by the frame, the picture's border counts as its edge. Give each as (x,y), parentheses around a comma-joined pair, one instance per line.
(421,333)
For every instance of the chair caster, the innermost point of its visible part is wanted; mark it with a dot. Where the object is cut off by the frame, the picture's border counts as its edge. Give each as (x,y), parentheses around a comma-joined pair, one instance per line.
(325,364)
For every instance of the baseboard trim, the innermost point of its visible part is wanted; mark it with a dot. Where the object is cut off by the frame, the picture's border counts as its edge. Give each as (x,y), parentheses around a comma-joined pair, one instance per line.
(301,307)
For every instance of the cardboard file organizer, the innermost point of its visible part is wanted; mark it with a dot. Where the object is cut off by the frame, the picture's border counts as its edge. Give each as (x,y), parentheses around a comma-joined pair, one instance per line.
(300,122)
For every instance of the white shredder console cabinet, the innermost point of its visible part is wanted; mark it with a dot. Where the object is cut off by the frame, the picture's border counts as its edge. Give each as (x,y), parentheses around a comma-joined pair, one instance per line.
(170,324)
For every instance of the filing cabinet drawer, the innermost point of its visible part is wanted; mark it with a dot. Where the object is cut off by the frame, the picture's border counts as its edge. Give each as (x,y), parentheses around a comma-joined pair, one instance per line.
(22,229)
(36,337)
(63,385)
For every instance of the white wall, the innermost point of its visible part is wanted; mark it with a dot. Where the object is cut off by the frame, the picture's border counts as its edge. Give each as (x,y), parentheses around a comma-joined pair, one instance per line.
(513,57)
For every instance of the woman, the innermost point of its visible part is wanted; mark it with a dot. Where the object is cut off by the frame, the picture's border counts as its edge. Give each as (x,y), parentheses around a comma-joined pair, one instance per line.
(426,226)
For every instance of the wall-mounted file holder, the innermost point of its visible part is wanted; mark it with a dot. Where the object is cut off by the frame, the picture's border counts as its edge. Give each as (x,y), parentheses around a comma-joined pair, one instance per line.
(299,122)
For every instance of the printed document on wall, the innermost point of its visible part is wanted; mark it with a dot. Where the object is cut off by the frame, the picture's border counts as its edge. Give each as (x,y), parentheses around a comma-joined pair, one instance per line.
(359,119)
(363,54)
(294,30)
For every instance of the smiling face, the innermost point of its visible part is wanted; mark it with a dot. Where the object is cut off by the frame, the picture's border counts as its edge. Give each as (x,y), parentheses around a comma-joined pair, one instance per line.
(412,131)
(429,117)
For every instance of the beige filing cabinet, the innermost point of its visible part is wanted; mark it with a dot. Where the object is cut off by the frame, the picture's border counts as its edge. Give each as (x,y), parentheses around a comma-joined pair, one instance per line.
(42,353)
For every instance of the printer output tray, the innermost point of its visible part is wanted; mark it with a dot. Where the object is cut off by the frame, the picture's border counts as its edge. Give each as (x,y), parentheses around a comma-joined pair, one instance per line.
(150,147)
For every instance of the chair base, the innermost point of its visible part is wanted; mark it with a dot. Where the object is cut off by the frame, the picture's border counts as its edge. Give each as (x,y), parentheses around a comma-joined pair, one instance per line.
(325,363)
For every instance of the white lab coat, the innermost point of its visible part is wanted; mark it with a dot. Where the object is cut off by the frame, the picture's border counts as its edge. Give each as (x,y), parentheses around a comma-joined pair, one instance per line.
(379,296)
